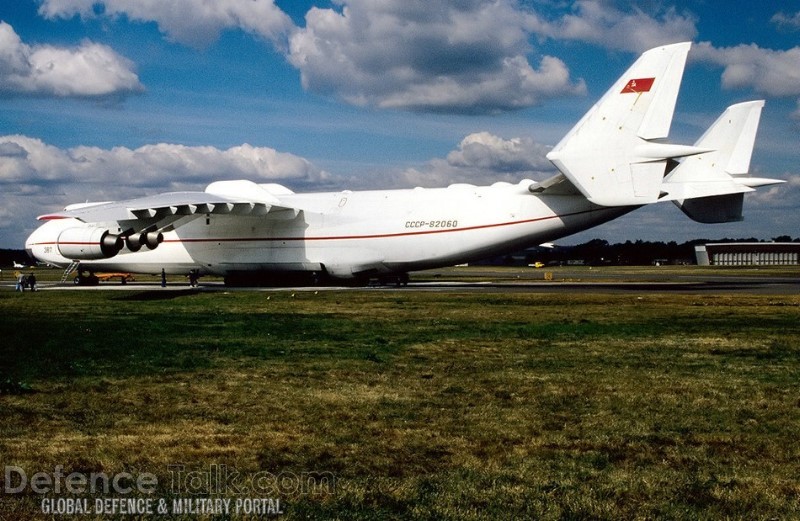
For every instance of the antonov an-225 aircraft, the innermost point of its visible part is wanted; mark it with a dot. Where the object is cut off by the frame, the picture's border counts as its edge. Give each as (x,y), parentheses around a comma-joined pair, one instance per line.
(614,160)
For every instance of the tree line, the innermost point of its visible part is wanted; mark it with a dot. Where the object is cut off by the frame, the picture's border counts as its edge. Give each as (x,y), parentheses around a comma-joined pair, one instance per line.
(597,252)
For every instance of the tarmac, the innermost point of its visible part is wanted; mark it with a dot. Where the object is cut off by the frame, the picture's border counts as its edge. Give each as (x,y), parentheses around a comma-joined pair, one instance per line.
(601,282)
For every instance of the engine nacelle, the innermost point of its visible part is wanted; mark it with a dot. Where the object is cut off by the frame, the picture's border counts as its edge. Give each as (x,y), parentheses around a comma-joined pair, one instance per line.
(152,239)
(135,241)
(88,243)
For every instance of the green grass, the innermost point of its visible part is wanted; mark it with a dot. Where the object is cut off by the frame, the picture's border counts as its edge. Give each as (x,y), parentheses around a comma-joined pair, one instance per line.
(422,405)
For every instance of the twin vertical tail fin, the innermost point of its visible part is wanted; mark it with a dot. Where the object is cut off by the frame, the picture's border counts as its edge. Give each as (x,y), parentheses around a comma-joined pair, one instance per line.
(617,155)
(613,155)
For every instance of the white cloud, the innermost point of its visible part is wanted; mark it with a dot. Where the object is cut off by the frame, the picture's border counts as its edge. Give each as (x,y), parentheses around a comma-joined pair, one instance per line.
(771,72)
(439,56)
(196,23)
(89,70)
(774,207)
(603,24)
(161,166)
(468,56)
(489,152)
(447,56)
(483,158)
(789,22)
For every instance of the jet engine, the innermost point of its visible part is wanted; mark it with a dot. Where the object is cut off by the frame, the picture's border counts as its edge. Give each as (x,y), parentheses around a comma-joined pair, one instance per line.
(135,241)
(88,243)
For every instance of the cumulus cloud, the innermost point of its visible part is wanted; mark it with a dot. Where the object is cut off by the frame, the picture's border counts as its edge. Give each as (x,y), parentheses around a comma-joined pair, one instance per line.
(789,22)
(196,23)
(771,72)
(603,24)
(486,151)
(483,158)
(446,56)
(30,164)
(774,208)
(89,70)
(439,56)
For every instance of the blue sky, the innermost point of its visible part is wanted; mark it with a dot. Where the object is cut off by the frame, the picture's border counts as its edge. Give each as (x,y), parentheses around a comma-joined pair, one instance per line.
(114,99)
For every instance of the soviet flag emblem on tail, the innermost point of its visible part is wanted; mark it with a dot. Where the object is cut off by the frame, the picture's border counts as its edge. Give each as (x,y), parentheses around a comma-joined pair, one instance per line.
(638,85)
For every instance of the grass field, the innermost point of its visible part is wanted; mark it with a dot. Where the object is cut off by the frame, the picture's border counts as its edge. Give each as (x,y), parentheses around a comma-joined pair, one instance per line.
(416,405)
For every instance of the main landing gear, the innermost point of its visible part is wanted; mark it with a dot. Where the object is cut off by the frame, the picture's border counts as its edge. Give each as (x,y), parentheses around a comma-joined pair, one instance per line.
(398,279)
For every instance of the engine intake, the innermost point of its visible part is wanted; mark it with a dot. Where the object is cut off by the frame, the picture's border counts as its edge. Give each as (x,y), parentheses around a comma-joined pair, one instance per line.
(152,239)
(88,243)
(135,241)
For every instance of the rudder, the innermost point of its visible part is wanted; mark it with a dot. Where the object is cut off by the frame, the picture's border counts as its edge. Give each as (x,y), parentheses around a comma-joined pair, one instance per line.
(610,154)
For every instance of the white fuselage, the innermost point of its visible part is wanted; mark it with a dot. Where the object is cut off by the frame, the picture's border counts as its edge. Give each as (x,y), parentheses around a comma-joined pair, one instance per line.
(346,234)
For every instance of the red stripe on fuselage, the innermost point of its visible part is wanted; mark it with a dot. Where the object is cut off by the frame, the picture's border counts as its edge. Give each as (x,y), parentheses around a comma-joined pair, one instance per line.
(351,237)
(376,236)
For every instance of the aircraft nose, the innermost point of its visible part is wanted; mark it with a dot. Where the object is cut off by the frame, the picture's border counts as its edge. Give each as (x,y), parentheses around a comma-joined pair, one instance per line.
(29,242)
(40,245)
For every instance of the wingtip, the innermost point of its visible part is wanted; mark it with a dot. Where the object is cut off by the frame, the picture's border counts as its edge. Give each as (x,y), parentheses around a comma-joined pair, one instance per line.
(757,182)
(51,217)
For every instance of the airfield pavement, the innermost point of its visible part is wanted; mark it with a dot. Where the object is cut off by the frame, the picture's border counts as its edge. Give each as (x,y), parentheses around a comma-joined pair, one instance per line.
(689,280)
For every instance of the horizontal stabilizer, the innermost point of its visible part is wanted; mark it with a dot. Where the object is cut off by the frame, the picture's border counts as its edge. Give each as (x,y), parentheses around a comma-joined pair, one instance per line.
(709,187)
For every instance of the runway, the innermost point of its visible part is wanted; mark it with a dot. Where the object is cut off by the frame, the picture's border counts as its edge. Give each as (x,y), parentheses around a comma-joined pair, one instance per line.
(490,281)
(689,288)
(689,280)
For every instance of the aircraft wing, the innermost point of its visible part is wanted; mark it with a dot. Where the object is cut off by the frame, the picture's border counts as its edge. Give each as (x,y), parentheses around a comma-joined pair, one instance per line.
(111,226)
(224,197)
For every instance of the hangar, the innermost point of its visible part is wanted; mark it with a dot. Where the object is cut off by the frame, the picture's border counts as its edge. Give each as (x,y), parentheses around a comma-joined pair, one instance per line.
(748,254)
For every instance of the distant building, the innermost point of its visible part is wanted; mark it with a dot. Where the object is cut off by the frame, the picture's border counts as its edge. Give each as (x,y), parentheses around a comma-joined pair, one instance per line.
(748,254)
